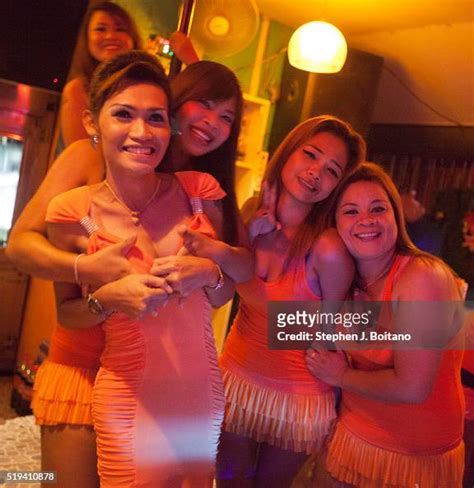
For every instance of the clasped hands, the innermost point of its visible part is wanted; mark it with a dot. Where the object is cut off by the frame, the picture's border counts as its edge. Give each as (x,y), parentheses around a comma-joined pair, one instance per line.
(328,366)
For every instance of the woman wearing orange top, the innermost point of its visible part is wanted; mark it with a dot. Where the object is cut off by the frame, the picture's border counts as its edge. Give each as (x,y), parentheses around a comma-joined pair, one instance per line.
(156,418)
(63,387)
(274,406)
(401,417)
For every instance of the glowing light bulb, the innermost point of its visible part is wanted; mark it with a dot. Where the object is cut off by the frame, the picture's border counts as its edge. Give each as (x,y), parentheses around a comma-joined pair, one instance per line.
(317,47)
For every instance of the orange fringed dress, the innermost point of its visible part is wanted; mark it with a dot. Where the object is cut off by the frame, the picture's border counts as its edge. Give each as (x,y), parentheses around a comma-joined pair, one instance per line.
(391,445)
(158,398)
(270,394)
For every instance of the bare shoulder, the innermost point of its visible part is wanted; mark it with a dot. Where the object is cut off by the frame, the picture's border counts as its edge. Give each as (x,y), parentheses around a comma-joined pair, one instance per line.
(74,88)
(329,248)
(425,279)
(79,164)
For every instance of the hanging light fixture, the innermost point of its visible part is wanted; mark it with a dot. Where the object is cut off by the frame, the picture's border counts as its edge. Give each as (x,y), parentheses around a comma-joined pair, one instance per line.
(317,47)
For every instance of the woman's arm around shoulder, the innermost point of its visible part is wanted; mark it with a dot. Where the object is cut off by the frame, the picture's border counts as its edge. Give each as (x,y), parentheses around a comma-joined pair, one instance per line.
(421,294)
(333,265)
(28,247)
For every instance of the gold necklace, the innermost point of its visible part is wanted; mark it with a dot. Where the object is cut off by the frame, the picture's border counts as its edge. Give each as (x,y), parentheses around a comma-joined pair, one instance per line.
(135,214)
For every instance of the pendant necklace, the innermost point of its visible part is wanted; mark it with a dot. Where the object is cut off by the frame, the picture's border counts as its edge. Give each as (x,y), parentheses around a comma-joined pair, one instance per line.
(134,214)
(380,275)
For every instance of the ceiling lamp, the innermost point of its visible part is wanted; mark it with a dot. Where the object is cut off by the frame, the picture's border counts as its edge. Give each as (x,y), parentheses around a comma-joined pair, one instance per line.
(317,47)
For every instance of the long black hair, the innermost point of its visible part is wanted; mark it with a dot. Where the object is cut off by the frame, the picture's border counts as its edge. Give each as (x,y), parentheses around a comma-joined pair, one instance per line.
(207,80)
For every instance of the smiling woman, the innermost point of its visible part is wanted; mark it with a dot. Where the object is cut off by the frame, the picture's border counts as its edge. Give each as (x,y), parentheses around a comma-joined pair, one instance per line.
(143,439)
(394,397)
(366,220)
(326,153)
(205,125)
(208,104)
(276,413)
(107,36)
(134,136)
(107,29)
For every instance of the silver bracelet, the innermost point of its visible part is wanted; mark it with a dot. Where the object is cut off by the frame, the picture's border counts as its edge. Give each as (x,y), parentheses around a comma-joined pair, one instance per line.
(76,271)
(220,281)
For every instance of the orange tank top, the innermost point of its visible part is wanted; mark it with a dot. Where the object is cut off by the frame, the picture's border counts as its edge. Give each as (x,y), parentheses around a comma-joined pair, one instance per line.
(246,349)
(432,427)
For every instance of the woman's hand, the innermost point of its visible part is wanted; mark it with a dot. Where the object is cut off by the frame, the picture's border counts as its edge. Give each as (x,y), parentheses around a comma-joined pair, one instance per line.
(183,48)
(107,265)
(134,295)
(184,274)
(198,244)
(265,220)
(328,366)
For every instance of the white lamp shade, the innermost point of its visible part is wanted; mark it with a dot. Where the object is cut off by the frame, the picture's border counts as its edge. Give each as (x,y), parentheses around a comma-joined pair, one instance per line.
(317,47)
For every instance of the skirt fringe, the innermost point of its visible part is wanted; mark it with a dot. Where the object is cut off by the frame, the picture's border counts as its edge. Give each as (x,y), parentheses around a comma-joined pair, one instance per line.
(354,461)
(291,421)
(62,394)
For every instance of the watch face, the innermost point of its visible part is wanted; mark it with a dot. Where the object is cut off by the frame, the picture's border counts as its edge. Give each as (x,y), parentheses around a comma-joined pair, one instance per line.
(94,305)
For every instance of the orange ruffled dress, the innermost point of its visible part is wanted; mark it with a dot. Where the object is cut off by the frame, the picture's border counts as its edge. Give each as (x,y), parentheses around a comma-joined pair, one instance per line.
(158,398)
(270,394)
(391,445)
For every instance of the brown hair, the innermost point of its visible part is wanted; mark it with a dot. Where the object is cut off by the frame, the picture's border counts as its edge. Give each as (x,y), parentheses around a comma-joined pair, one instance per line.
(376,174)
(118,72)
(207,80)
(84,64)
(318,218)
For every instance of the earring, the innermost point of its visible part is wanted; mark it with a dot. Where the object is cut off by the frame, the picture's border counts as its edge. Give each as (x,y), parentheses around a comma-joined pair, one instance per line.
(175,128)
(94,140)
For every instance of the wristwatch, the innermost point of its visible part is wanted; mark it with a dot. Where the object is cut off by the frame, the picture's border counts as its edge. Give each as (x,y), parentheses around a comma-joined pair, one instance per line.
(94,305)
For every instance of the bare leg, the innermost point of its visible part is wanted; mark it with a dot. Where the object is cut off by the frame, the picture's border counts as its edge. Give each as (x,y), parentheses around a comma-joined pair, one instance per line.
(70,450)
(277,467)
(236,460)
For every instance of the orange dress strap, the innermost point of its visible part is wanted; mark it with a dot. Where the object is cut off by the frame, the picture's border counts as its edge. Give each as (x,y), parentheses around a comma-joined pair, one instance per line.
(200,186)
(396,265)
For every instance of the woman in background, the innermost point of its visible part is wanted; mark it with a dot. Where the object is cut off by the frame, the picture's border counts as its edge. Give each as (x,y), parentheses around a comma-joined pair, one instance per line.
(107,30)
(401,417)
(276,414)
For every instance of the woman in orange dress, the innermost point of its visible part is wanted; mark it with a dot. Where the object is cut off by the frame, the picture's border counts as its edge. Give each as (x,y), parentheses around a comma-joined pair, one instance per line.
(158,398)
(63,386)
(276,414)
(401,417)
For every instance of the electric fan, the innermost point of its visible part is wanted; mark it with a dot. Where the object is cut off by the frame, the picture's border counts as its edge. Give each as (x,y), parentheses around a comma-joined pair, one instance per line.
(222,28)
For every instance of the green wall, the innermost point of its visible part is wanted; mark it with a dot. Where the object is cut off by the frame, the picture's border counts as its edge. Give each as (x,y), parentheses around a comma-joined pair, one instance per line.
(161,17)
